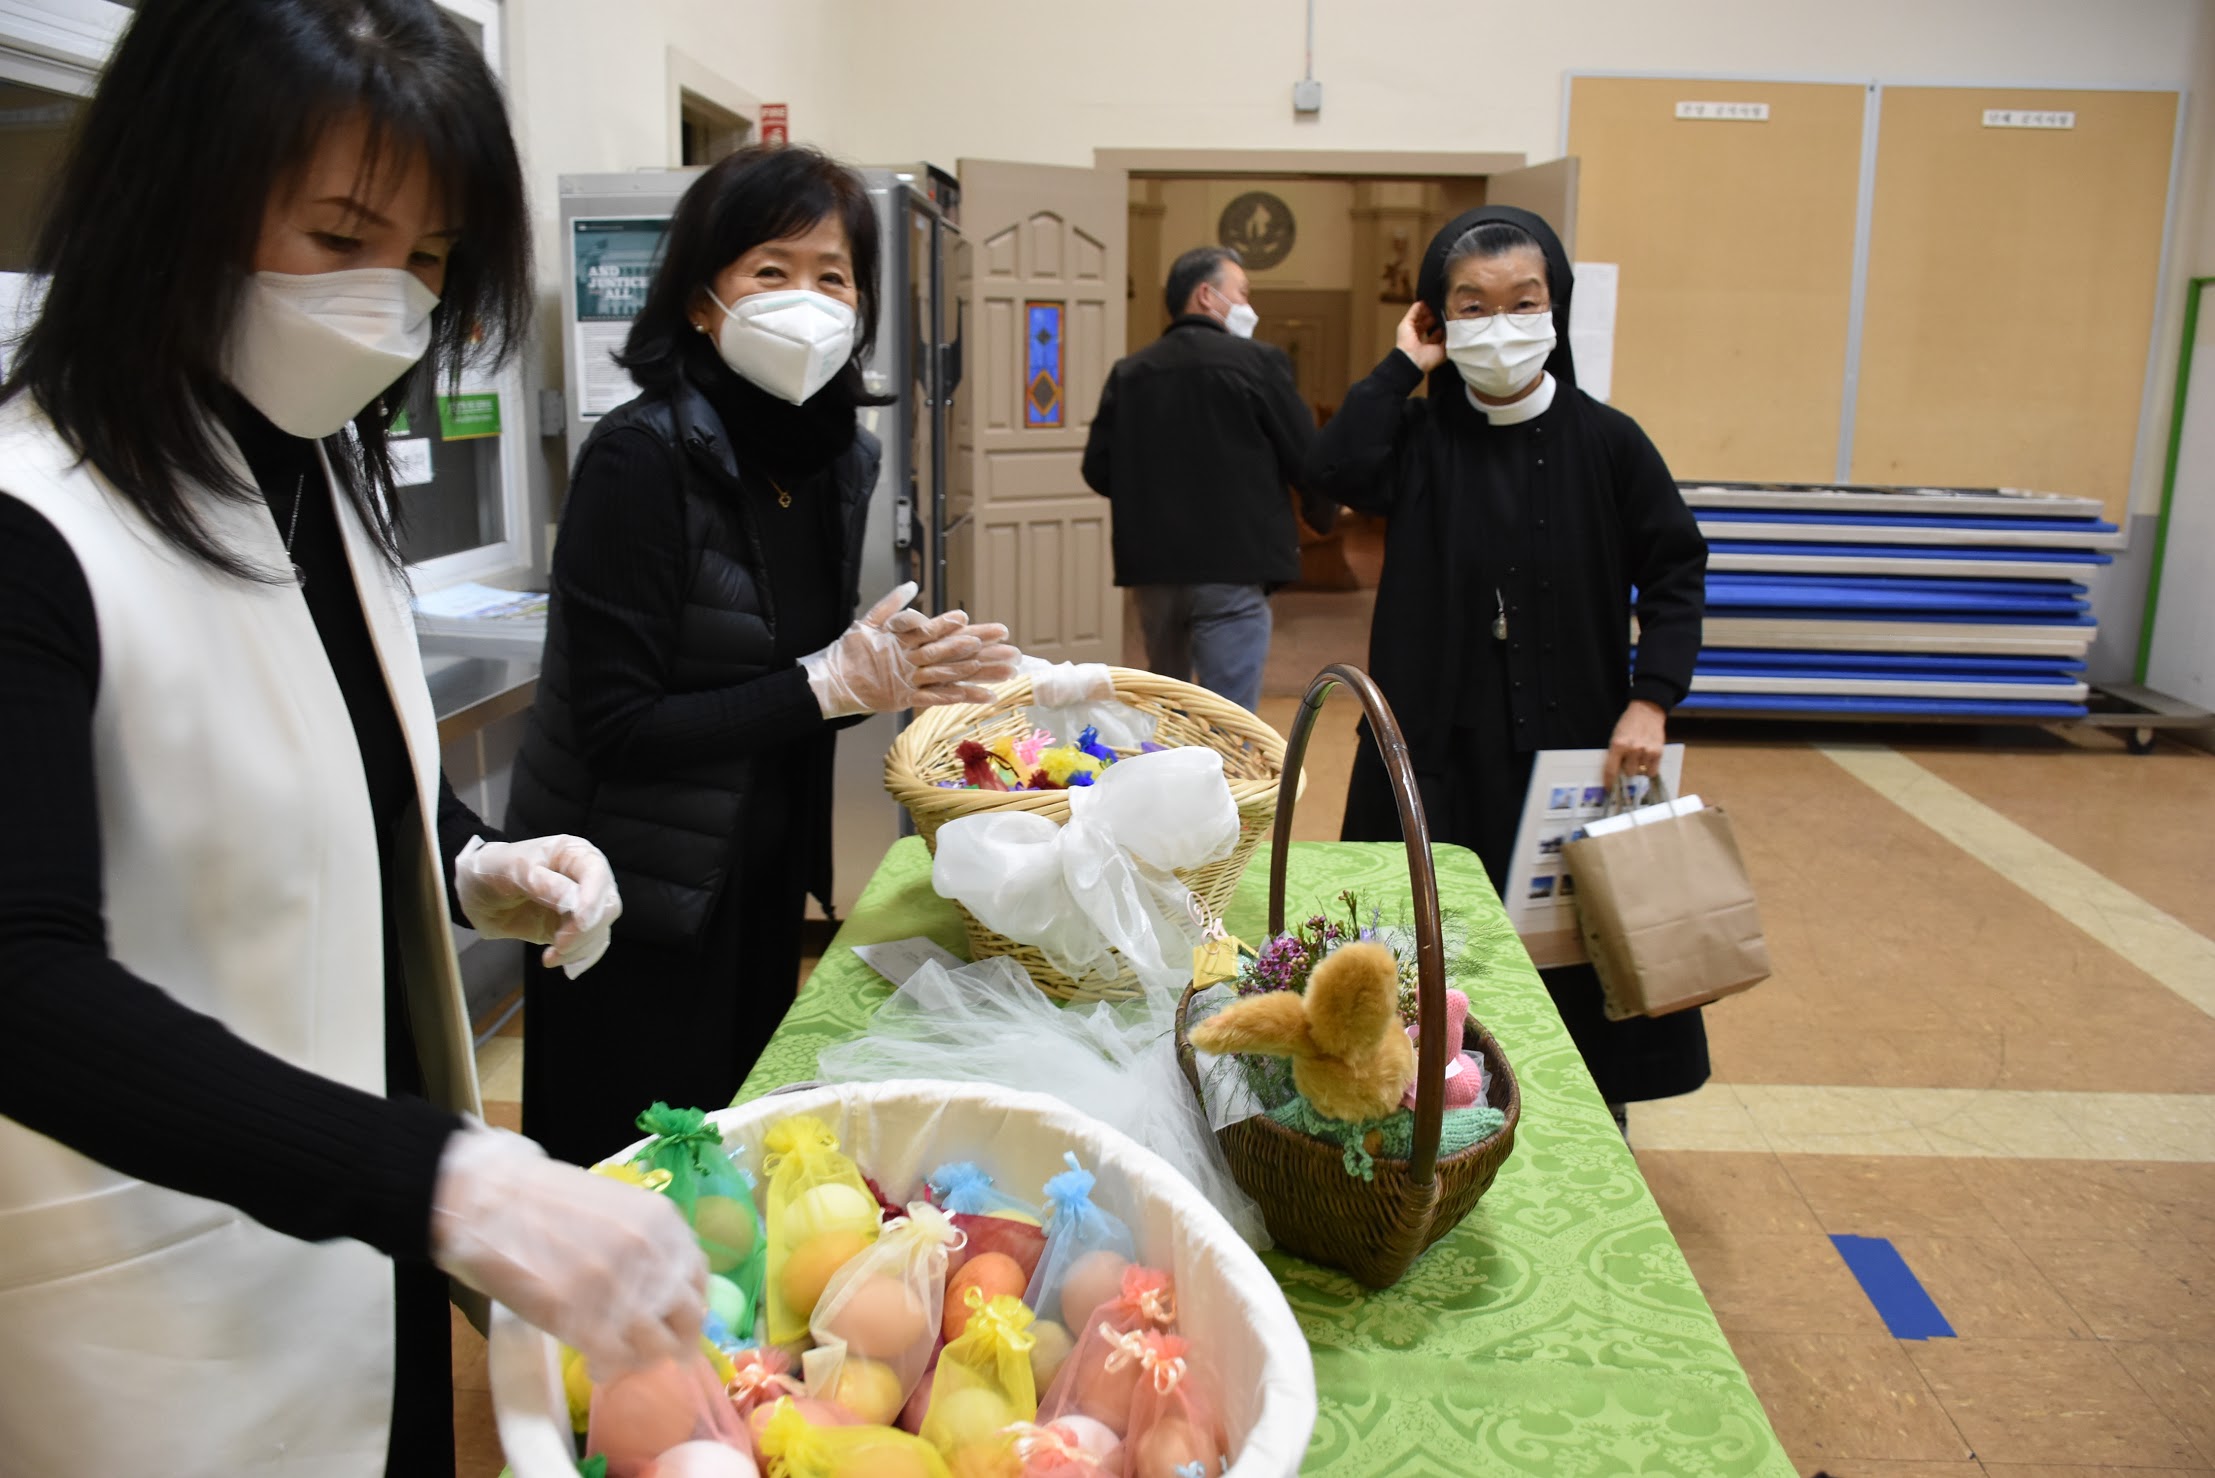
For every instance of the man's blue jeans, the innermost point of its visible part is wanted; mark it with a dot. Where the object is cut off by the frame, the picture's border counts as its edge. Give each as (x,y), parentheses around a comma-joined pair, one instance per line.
(1214,635)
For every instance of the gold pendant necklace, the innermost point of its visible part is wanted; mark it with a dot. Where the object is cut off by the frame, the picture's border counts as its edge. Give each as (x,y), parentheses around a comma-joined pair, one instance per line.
(784,499)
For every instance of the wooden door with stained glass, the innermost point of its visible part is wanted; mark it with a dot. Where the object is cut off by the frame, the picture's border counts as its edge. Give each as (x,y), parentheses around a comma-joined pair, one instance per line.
(1043,288)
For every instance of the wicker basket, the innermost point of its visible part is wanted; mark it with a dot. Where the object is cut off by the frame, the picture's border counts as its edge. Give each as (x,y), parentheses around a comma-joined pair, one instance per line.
(924,754)
(1371,1229)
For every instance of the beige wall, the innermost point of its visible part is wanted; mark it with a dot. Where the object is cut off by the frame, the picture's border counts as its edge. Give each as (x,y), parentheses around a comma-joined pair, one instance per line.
(1051,80)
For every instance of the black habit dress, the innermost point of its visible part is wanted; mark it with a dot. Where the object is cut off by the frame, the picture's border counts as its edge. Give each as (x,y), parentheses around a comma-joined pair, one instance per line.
(1559,519)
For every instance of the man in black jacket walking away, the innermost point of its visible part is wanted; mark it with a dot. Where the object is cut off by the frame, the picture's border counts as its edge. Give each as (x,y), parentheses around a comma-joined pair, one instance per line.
(1198,436)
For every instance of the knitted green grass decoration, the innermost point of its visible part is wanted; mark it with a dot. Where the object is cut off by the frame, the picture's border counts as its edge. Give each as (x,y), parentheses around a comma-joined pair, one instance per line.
(1458,1130)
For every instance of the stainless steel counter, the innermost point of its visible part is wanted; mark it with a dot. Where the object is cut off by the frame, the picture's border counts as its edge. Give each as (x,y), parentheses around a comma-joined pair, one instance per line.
(471,693)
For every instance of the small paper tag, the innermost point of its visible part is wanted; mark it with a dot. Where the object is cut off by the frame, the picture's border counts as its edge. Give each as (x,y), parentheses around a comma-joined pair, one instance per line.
(1216,960)
(901,958)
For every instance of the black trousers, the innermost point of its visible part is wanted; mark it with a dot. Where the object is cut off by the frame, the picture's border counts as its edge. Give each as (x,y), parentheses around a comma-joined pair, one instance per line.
(1479,805)
(668,1022)
(422,1441)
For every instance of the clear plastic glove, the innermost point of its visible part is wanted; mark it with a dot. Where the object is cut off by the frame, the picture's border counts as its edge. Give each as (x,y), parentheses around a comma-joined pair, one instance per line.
(557,891)
(895,658)
(609,1269)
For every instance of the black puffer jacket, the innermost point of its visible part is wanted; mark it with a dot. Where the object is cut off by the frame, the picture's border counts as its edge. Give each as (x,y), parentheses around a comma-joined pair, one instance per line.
(669,827)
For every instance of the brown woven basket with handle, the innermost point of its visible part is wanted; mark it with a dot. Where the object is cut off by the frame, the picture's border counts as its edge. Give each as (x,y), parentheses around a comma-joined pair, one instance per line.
(1371,1229)
(926,753)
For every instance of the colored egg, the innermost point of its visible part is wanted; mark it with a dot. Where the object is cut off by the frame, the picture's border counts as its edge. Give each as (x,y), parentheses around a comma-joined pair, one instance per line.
(812,1264)
(1093,1279)
(1022,1216)
(994,1272)
(879,1318)
(831,1207)
(1092,1436)
(726,1231)
(727,1301)
(870,1391)
(702,1460)
(1105,1395)
(819,1414)
(1050,1349)
(1170,1447)
(969,1418)
(642,1415)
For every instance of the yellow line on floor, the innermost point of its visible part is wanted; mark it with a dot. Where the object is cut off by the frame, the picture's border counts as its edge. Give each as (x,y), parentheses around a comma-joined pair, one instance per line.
(2171,952)
(1968,1123)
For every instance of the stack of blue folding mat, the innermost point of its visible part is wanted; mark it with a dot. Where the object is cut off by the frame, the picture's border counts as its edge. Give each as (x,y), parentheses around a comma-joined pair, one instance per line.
(1939,603)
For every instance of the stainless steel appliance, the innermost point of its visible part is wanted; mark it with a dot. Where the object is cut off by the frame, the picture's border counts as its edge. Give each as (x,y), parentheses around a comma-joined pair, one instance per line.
(917,359)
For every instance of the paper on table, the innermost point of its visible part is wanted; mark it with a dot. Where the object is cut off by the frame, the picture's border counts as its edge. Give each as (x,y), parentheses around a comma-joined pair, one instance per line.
(1592,327)
(470,601)
(901,958)
(1565,795)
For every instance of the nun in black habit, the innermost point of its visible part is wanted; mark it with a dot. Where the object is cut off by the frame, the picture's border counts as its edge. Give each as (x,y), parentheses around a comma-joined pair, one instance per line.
(1522,516)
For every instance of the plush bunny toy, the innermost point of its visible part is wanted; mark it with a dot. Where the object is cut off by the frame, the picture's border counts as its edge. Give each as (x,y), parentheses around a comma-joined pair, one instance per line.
(1351,1057)
(1465,1086)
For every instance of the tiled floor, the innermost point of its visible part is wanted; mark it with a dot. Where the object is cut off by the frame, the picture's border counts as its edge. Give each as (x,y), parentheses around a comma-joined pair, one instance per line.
(1990,1039)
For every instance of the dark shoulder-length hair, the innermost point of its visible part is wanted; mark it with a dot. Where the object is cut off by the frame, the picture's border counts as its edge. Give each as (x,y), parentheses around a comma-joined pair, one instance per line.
(208,109)
(758,194)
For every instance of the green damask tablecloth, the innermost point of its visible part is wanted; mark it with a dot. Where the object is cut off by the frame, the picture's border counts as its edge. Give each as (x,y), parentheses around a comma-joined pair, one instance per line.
(1556,1332)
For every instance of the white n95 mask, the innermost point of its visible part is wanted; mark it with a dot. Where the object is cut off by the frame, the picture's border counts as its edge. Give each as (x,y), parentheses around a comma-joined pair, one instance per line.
(311,353)
(790,343)
(1242,320)
(1500,356)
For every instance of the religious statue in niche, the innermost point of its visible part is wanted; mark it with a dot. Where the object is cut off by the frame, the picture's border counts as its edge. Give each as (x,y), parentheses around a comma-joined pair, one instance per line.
(1399,280)
(1259,227)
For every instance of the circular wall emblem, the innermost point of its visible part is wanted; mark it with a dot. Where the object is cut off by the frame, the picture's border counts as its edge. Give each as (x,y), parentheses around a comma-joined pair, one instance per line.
(1259,227)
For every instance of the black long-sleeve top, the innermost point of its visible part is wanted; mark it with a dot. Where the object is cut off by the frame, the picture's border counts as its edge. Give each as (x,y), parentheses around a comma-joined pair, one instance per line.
(92,1054)
(622,568)
(1558,519)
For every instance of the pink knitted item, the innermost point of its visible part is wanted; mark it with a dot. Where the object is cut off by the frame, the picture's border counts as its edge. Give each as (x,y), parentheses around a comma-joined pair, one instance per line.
(1464,1089)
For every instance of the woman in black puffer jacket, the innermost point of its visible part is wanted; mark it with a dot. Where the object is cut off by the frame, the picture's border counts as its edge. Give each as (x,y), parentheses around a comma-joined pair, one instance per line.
(702,648)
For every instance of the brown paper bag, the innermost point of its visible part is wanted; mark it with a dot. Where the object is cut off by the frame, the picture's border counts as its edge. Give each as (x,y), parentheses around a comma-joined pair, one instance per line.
(1668,914)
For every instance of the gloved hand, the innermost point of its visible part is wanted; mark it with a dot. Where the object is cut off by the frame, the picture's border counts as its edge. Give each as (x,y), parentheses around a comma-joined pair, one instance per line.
(557,891)
(608,1269)
(894,658)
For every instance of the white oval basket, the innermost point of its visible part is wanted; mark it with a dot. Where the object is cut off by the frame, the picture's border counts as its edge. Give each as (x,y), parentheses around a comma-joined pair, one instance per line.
(1241,1330)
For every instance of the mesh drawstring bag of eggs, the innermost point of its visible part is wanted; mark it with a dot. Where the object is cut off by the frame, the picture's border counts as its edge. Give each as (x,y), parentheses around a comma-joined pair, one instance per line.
(972,1334)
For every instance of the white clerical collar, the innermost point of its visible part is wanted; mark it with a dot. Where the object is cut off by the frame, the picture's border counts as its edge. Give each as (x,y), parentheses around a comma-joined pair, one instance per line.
(1529,408)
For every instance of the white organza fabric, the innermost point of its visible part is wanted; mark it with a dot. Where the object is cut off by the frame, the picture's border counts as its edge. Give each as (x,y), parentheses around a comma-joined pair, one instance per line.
(1105,883)
(1069,697)
(987,1023)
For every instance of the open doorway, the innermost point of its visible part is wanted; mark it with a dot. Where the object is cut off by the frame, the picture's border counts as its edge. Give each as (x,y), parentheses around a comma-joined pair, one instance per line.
(1332,259)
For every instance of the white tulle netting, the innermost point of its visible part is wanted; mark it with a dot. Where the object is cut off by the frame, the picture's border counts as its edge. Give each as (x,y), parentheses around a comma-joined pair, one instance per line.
(987,1023)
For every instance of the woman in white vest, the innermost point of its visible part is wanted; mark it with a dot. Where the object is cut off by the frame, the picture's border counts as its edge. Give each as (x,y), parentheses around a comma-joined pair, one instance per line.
(238,1157)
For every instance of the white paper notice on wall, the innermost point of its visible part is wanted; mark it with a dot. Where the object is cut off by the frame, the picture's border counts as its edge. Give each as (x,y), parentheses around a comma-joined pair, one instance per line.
(2028,118)
(411,461)
(1724,112)
(1592,327)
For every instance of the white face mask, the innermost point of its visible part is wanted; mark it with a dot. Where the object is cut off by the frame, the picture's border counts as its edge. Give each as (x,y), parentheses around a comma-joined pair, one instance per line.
(1500,356)
(790,343)
(1241,320)
(312,352)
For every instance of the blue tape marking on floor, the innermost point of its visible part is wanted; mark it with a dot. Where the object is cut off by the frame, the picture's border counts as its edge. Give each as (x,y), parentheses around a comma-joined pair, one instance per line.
(1899,1297)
